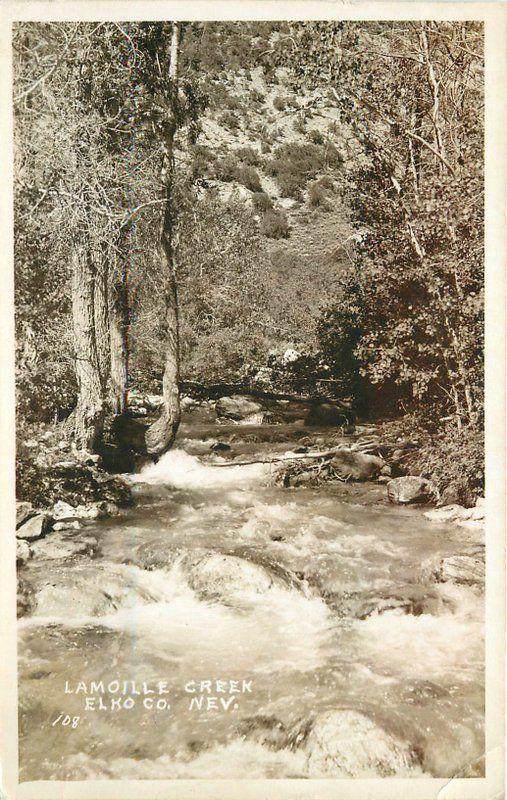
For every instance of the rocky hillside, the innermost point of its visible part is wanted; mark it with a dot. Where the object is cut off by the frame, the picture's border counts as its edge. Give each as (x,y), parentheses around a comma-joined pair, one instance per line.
(284,156)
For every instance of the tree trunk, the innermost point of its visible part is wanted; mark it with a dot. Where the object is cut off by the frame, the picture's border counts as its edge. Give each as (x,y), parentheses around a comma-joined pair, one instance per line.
(101,317)
(119,322)
(160,436)
(90,410)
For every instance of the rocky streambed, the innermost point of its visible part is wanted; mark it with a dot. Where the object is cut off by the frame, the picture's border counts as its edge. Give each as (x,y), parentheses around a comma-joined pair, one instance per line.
(352,616)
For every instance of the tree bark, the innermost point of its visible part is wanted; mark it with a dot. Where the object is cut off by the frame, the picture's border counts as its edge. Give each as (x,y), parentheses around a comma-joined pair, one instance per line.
(161,435)
(119,322)
(101,317)
(90,410)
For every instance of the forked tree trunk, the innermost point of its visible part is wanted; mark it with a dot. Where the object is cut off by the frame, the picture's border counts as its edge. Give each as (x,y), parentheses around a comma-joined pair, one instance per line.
(119,322)
(160,436)
(90,410)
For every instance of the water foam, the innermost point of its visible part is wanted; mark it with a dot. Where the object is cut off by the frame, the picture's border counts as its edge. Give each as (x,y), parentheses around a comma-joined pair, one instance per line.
(183,471)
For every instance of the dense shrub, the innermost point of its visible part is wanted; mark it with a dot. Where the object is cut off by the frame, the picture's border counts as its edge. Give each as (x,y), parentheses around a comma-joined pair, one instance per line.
(248,155)
(249,178)
(256,96)
(294,165)
(452,457)
(280,102)
(226,169)
(316,136)
(274,225)
(261,201)
(316,194)
(229,120)
(299,125)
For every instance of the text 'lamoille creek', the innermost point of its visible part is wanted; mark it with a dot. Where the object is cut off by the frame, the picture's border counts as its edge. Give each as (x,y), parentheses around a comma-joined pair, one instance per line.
(232,627)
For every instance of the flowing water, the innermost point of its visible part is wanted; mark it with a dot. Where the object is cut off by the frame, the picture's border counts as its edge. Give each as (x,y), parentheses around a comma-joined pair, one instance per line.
(297,601)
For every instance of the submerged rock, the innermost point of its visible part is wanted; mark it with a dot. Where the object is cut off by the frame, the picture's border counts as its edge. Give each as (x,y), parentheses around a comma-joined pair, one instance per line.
(267,731)
(64,544)
(411,489)
(346,743)
(451,513)
(236,407)
(25,600)
(466,568)
(227,577)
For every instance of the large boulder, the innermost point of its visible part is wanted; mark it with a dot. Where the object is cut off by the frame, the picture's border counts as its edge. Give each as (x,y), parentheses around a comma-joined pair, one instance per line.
(236,407)
(323,414)
(356,466)
(34,528)
(24,511)
(411,489)
(348,744)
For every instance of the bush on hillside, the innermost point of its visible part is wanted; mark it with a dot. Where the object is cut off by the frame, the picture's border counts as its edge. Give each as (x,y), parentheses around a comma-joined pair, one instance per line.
(274,225)
(316,136)
(261,201)
(248,155)
(294,165)
(249,178)
(226,168)
(229,120)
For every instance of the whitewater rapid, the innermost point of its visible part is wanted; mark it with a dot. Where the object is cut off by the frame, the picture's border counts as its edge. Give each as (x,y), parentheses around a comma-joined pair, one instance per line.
(315,596)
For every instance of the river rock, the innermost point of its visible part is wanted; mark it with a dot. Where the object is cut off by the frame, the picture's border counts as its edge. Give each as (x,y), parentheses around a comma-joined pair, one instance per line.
(451,513)
(326,414)
(34,528)
(64,544)
(267,731)
(24,511)
(25,600)
(67,525)
(188,404)
(63,511)
(346,743)
(254,419)
(356,466)
(218,447)
(236,407)
(80,600)
(411,489)
(466,568)
(226,577)
(23,552)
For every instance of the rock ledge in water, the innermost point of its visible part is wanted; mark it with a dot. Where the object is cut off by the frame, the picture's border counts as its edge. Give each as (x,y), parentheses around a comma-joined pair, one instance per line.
(411,489)
(346,743)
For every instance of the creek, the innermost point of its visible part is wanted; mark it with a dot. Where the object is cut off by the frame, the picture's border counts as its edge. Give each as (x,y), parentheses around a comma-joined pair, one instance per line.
(298,602)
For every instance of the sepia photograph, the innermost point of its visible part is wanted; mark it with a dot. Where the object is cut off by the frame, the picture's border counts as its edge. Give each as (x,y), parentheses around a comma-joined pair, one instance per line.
(250,465)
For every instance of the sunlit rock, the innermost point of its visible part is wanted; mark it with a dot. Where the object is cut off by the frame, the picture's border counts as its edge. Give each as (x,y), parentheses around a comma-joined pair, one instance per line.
(411,489)
(236,407)
(346,743)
